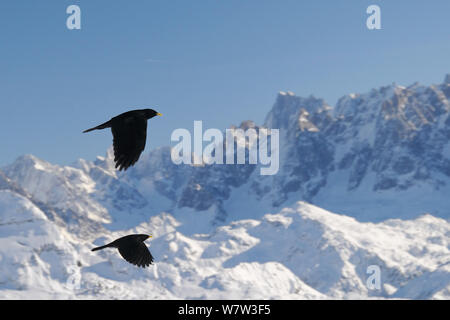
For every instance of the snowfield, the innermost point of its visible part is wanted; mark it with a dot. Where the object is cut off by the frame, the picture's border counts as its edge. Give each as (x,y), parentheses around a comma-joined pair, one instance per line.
(302,252)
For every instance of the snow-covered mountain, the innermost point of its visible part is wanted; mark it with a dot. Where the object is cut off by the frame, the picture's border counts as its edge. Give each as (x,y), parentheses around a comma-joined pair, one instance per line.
(381,160)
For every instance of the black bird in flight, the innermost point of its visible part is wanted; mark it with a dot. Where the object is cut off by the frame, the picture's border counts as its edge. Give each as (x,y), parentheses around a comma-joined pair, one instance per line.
(129,131)
(132,249)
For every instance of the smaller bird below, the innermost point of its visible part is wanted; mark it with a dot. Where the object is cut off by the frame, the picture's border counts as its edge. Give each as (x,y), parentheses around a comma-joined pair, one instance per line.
(132,249)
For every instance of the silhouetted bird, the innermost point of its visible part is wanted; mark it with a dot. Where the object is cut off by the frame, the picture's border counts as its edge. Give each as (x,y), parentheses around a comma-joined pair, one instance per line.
(132,249)
(129,131)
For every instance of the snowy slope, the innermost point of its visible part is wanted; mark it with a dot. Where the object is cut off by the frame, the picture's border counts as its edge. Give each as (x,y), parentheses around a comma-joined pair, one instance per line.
(35,255)
(302,252)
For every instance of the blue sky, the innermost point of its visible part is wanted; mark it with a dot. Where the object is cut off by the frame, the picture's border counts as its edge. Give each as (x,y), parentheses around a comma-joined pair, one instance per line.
(217,61)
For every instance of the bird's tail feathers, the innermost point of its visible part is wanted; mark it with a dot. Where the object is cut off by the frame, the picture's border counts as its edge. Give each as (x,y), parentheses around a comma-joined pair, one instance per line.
(107,124)
(100,248)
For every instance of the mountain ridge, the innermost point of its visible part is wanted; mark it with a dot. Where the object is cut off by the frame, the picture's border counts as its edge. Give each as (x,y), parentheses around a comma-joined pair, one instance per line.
(362,183)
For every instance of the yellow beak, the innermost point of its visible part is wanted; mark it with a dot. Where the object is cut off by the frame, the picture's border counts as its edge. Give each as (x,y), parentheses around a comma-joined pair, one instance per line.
(159,114)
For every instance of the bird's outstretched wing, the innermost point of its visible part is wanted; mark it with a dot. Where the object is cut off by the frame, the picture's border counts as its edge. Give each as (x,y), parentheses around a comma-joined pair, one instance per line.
(137,254)
(130,134)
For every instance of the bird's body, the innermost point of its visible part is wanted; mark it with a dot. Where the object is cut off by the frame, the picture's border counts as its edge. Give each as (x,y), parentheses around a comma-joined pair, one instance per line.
(132,249)
(129,131)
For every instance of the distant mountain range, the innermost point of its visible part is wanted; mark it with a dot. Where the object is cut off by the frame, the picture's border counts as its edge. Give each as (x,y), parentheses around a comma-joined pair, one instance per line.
(381,160)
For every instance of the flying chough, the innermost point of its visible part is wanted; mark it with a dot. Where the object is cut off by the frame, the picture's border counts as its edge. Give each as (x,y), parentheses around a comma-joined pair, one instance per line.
(132,249)
(129,131)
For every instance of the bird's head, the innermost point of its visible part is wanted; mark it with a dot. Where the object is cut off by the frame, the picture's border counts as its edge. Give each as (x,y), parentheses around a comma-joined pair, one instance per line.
(146,236)
(150,113)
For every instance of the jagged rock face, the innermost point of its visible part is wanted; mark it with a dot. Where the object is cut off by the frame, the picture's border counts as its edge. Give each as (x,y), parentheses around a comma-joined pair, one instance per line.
(7,184)
(62,193)
(395,137)
(396,133)
(210,185)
